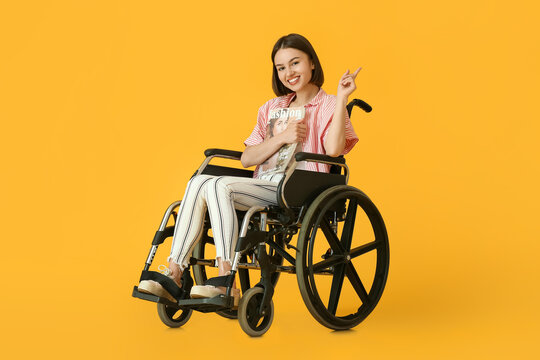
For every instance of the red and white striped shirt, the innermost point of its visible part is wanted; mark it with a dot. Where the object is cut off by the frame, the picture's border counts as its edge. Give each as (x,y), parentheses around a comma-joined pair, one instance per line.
(319,114)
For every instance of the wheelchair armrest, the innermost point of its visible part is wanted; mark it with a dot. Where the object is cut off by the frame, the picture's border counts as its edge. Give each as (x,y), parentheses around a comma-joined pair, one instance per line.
(223,153)
(217,170)
(304,156)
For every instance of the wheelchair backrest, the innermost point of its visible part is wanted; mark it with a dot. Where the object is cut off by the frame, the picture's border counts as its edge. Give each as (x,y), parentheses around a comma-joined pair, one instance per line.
(304,186)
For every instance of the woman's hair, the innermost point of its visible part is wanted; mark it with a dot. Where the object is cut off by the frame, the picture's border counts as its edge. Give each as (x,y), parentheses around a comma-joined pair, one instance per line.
(295,41)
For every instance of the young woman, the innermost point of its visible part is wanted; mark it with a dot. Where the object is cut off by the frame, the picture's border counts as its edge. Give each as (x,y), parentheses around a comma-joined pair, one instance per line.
(297,78)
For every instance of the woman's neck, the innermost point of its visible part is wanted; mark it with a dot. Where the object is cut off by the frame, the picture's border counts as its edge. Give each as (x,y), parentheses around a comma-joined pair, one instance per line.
(305,95)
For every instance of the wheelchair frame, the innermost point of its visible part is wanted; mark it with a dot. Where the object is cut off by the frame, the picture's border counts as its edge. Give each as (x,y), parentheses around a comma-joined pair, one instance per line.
(320,203)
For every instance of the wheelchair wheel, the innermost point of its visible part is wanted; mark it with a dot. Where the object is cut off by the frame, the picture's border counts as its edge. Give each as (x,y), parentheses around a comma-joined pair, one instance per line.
(173,316)
(251,321)
(342,235)
(199,271)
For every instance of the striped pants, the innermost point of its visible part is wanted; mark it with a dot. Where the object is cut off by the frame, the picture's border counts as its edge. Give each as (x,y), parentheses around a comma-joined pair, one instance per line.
(221,195)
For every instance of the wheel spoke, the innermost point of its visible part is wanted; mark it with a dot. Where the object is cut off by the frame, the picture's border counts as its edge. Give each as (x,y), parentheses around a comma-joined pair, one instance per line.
(326,263)
(362,249)
(331,237)
(346,236)
(353,277)
(335,290)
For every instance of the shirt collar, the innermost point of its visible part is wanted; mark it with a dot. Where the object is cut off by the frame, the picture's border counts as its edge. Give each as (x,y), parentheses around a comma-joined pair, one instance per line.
(314,102)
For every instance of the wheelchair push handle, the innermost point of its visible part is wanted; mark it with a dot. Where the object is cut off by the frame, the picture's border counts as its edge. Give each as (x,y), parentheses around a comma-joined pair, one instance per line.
(361,104)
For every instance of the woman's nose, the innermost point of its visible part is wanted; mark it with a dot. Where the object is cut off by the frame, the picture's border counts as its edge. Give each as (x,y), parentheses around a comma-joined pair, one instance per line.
(288,72)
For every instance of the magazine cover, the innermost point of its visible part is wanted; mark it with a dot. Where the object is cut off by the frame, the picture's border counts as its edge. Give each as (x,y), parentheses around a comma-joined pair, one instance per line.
(277,123)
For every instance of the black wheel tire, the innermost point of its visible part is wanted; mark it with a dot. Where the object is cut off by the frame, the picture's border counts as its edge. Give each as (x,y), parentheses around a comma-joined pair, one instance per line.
(173,316)
(339,262)
(249,318)
(199,271)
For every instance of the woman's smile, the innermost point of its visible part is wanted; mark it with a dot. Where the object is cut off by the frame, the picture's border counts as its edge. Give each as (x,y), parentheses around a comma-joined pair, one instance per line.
(294,80)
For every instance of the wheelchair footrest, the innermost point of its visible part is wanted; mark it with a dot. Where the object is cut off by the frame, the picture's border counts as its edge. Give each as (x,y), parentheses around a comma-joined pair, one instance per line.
(144,296)
(205,305)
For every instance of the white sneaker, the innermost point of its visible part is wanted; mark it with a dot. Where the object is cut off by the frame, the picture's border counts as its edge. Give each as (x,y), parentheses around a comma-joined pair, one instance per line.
(167,272)
(154,288)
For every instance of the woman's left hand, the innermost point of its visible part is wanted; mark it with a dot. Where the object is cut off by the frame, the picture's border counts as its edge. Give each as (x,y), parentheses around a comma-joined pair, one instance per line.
(346,84)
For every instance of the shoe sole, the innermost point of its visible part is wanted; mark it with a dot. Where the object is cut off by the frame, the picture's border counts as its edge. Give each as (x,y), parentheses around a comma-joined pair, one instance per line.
(154,288)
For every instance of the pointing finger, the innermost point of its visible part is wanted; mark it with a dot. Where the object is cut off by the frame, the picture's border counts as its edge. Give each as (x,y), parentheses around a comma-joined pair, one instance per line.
(356,72)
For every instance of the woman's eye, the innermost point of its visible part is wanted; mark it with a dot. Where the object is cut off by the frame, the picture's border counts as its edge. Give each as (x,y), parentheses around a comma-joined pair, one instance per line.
(295,63)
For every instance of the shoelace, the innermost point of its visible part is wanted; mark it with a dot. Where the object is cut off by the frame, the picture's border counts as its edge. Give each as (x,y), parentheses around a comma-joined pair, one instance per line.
(165,270)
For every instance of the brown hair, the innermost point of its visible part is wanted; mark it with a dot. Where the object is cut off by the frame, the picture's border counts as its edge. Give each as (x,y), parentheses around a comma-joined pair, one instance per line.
(298,42)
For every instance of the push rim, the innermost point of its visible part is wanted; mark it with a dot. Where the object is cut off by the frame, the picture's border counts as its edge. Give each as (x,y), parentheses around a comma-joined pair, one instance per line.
(339,263)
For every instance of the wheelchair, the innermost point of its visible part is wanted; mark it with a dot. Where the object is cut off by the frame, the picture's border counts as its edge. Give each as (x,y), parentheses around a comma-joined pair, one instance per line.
(341,234)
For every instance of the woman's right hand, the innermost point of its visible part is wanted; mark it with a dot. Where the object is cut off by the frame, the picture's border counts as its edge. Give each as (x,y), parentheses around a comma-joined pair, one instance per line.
(294,133)
(257,154)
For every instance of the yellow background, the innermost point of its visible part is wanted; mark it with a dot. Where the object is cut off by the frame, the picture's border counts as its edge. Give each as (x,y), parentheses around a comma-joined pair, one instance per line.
(106,108)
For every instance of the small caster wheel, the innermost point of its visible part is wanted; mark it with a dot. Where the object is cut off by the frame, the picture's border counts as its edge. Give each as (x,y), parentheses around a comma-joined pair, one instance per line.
(251,321)
(173,316)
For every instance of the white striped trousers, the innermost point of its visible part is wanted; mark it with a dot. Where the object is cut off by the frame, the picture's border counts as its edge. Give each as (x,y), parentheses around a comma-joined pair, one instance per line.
(221,195)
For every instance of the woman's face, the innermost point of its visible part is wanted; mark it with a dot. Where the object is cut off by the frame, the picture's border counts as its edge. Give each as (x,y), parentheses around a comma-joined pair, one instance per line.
(294,68)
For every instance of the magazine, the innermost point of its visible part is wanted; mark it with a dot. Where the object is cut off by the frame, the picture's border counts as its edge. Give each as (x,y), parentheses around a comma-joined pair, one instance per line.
(277,123)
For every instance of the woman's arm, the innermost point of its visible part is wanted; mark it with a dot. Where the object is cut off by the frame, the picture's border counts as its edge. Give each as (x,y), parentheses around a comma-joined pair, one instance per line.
(257,154)
(334,143)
